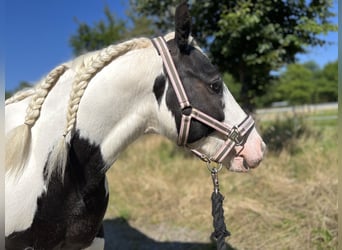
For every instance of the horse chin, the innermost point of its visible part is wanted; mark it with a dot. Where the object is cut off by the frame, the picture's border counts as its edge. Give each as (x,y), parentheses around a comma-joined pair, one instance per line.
(238,164)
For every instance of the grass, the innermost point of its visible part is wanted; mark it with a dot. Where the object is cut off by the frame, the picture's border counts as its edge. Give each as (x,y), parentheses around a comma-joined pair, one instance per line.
(289,202)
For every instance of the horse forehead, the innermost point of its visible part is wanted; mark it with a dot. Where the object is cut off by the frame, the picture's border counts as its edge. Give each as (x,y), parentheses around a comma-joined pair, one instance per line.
(196,62)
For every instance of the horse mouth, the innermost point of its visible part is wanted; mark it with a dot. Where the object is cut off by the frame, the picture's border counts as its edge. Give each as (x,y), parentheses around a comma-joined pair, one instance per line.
(246,166)
(240,165)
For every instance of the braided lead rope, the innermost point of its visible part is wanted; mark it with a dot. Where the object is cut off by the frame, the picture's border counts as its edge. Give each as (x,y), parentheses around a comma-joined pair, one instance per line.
(220,229)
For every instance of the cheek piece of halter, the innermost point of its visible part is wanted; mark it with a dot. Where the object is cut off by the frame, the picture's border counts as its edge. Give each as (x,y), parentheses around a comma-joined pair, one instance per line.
(235,136)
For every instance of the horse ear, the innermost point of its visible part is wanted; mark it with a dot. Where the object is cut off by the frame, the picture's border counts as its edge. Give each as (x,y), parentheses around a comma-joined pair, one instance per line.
(182,26)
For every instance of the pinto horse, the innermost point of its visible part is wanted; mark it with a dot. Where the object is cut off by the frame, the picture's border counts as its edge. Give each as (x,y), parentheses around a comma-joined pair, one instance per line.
(67,131)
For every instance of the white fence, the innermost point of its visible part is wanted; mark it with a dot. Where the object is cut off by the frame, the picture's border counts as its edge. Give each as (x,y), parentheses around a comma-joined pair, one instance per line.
(270,113)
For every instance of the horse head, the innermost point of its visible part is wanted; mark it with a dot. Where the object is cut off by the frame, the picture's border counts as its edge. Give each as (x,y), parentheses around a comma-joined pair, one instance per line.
(205,93)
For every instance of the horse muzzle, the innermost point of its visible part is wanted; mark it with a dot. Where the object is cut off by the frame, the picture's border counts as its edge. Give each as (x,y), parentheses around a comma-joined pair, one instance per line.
(247,156)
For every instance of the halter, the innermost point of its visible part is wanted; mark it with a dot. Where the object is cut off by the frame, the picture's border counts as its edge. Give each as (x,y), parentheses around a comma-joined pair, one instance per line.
(234,135)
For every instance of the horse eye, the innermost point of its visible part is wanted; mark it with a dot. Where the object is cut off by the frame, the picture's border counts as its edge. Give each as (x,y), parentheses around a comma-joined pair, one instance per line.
(216,87)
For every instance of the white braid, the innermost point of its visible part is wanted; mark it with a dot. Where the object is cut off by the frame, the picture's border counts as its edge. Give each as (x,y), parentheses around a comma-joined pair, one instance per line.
(18,140)
(42,90)
(20,95)
(96,63)
(88,69)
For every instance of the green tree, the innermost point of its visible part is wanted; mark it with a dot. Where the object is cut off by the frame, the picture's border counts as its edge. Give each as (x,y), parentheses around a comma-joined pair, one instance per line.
(101,34)
(296,85)
(306,83)
(108,31)
(140,26)
(250,38)
(327,82)
(8,94)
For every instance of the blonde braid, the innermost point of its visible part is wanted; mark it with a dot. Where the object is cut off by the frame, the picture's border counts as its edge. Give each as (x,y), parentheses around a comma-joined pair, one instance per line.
(96,63)
(33,110)
(88,69)
(21,95)
(18,140)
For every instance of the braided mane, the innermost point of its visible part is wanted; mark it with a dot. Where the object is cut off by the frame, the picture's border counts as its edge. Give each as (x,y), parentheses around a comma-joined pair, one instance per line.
(18,140)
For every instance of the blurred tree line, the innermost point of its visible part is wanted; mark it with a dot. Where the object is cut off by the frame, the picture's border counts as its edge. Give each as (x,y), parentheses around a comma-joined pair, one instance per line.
(297,84)
(303,84)
(247,39)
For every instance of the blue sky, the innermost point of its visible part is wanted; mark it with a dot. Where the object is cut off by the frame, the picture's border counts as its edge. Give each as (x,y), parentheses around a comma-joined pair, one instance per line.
(37,34)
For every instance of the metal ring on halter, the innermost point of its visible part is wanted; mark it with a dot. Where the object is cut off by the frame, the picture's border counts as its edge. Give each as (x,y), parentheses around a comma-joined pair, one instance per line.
(214,169)
(205,158)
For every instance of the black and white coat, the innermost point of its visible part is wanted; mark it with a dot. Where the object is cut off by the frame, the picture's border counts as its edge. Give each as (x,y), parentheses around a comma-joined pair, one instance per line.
(127,97)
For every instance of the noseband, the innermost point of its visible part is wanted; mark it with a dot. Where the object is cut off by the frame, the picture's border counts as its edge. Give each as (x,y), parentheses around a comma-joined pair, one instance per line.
(235,136)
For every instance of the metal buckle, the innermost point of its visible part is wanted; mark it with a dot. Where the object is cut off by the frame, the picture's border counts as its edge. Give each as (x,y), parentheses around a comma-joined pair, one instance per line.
(235,136)
(214,169)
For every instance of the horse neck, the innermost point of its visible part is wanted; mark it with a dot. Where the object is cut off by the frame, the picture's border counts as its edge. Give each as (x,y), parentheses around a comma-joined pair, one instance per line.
(118,105)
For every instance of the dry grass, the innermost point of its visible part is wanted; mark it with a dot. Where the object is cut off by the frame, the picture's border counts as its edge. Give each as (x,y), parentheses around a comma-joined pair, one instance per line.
(289,202)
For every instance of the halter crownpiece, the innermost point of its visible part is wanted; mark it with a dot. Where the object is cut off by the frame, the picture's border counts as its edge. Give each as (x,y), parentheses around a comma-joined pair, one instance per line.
(235,136)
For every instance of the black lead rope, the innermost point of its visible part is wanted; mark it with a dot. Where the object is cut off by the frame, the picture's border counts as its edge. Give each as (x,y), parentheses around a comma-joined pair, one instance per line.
(217,198)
